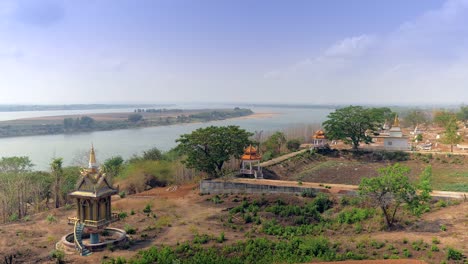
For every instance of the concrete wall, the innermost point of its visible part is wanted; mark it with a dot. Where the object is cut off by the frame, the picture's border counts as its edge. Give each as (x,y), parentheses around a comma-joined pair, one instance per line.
(218,187)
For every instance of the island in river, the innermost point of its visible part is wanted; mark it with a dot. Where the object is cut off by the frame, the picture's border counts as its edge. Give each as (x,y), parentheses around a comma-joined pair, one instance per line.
(51,125)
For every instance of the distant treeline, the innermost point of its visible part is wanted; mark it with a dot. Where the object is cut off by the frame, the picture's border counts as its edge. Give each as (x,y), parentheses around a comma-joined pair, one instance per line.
(17,108)
(87,124)
(152,110)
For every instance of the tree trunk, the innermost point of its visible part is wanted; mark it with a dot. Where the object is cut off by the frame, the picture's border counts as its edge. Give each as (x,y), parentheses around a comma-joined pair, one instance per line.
(387,220)
(451,147)
(57,202)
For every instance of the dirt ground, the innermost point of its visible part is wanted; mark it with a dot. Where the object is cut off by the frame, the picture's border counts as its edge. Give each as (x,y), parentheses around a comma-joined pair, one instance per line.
(180,214)
(450,172)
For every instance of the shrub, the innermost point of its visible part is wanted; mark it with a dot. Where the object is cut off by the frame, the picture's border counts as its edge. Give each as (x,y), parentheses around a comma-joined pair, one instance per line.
(435,240)
(322,202)
(68,206)
(377,244)
(147,209)
(434,248)
(132,212)
(293,144)
(122,215)
(59,255)
(13,217)
(201,239)
(443,228)
(122,194)
(216,199)
(354,215)
(453,254)
(441,203)
(51,219)
(221,238)
(129,229)
(308,193)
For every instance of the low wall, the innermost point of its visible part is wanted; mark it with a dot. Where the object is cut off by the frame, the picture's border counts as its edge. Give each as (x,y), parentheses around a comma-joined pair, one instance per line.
(220,187)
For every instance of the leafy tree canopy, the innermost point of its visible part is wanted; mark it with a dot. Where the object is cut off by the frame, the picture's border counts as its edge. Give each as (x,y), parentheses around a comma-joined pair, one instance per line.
(274,143)
(451,135)
(415,117)
(152,154)
(207,149)
(351,123)
(392,188)
(113,166)
(442,117)
(462,115)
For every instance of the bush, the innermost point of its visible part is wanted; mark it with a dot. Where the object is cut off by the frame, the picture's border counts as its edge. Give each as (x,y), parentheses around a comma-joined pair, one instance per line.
(322,202)
(308,193)
(221,238)
(201,239)
(122,215)
(122,194)
(13,217)
(152,154)
(129,229)
(51,219)
(453,254)
(59,255)
(354,215)
(293,144)
(132,212)
(147,209)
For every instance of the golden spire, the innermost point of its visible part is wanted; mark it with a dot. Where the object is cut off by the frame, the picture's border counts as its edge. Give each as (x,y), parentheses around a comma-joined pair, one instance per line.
(396,122)
(92,157)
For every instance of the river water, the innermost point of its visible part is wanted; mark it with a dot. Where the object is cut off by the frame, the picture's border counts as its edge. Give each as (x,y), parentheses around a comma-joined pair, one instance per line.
(72,147)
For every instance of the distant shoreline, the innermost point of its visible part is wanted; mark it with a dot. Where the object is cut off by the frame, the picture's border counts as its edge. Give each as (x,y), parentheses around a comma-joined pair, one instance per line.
(78,123)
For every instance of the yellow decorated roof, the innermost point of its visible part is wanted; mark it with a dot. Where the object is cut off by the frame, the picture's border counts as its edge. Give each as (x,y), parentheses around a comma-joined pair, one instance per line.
(319,135)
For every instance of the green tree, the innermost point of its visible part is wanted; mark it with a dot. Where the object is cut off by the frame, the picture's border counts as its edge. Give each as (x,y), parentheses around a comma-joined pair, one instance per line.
(392,188)
(207,149)
(57,173)
(274,143)
(293,144)
(351,123)
(462,115)
(451,135)
(421,204)
(415,117)
(442,117)
(152,154)
(113,166)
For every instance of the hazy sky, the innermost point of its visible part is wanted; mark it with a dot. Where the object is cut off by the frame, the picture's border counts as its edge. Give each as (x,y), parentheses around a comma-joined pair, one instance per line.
(322,51)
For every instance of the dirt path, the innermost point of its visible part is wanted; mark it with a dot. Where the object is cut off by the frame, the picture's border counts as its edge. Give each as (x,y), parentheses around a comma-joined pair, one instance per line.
(281,158)
(339,188)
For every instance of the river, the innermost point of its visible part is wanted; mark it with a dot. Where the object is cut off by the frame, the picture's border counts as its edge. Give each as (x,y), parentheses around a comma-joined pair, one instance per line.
(72,147)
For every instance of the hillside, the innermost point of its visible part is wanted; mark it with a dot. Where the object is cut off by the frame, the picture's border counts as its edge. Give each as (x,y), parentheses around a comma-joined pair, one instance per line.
(180,215)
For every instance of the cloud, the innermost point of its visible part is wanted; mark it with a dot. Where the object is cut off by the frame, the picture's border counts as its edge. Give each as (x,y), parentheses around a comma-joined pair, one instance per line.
(350,47)
(39,13)
(424,59)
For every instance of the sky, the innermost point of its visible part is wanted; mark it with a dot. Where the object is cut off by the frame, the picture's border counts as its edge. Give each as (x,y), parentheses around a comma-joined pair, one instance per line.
(262,51)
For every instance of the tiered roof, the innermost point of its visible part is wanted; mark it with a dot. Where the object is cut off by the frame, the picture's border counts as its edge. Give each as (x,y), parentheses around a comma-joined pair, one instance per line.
(250,153)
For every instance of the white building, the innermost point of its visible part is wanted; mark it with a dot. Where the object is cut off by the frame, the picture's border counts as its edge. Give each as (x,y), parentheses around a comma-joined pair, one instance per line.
(395,139)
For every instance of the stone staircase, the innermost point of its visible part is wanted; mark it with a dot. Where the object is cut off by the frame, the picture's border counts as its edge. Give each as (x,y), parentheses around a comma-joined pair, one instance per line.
(78,233)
